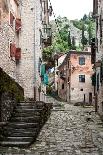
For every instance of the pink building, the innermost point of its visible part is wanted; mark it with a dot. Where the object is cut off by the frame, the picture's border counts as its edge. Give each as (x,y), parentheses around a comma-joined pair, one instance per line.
(75,77)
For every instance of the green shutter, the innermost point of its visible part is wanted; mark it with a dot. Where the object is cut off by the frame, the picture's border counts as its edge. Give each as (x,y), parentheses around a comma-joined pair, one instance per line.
(46,79)
(42,69)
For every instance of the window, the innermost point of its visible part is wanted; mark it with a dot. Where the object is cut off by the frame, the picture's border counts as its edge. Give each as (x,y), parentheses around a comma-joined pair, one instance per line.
(68,79)
(81,78)
(81,89)
(63,86)
(81,61)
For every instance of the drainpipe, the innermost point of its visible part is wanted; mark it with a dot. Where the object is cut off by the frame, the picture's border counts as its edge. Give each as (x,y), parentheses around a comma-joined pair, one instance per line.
(69,79)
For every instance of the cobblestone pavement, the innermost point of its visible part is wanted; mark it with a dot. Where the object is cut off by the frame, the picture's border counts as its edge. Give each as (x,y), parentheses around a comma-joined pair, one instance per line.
(70,130)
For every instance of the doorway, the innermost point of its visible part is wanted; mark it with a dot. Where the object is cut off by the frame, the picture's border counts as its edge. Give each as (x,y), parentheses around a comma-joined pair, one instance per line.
(90,98)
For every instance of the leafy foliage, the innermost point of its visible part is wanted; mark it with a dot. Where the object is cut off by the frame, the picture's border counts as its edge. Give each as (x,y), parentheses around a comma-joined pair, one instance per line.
(62,40)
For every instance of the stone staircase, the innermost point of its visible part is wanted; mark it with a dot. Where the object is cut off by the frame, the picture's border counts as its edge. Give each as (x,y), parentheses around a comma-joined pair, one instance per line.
(25,123)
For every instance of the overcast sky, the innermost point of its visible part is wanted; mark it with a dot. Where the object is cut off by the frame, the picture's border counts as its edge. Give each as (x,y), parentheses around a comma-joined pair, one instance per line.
(73,9)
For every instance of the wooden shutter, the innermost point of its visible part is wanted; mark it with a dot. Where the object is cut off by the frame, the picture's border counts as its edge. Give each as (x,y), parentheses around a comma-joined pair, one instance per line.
(18,24)
(12,50)
(11,19)
(18,54)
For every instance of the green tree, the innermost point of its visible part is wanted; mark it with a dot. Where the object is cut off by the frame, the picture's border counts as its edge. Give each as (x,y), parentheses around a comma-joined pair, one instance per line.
(85,17)
(73,43)
(69,40)
(90,32)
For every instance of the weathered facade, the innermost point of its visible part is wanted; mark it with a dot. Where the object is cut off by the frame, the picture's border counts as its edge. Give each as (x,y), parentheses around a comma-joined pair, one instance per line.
(61,81)
(75,77)
(9,37)
(97,55)
(80,80)
(34,15)
(24,31)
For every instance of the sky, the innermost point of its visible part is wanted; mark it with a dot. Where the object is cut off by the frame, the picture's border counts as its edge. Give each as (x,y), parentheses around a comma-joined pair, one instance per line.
(73,9)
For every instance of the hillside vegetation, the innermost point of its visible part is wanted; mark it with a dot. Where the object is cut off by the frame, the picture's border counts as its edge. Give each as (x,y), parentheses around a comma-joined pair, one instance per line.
(67,35)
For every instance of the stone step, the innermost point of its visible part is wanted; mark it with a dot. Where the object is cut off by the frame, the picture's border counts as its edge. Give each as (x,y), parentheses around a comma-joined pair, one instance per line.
(22,125)
(27,110)
(33,103)
(15,144)
(26,114)
(25,124)
(23,134)
(26,119)
(19,139)
(11,130)
(26,106)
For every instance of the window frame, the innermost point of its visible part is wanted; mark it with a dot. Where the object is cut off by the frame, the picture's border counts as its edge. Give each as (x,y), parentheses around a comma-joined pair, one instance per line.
(62,86)
(82,78)
(81,61)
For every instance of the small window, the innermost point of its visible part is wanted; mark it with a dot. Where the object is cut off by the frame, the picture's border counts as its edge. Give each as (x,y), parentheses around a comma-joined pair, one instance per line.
(63,86)
(72,89)
(81,89)
(81,61)
(68,79)
(81,78)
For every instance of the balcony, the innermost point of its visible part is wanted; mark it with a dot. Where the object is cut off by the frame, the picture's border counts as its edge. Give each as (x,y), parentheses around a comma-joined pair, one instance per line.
(47,36)
(18,54)
(18,24)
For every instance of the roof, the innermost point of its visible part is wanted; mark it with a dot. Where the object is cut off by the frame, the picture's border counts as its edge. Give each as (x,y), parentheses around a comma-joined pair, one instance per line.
(73,52)
(61,59)
(79,53)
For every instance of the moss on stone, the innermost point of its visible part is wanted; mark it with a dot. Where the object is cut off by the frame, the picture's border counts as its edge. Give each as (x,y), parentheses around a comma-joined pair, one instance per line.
(7,84)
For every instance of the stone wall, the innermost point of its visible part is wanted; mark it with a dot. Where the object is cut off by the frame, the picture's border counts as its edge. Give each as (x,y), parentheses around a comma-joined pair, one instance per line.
(99,57)
(7,34)
(31,48)
(10,93)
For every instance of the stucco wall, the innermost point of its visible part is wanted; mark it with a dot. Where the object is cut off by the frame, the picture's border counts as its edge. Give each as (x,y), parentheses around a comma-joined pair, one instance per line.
(78,89)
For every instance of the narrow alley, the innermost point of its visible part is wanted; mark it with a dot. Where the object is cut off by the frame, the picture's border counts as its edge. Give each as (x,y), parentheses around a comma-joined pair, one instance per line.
(70,130)
(51,77)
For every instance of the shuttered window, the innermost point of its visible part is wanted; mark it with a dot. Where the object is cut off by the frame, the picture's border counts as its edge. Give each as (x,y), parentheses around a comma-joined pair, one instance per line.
(11,19)
(12,50)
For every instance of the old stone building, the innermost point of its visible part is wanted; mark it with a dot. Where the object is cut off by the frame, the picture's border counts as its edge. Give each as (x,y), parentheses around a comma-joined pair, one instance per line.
(97,55)
(80,80)
(75,77)
(33,37)
(24,31)
(9,37)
